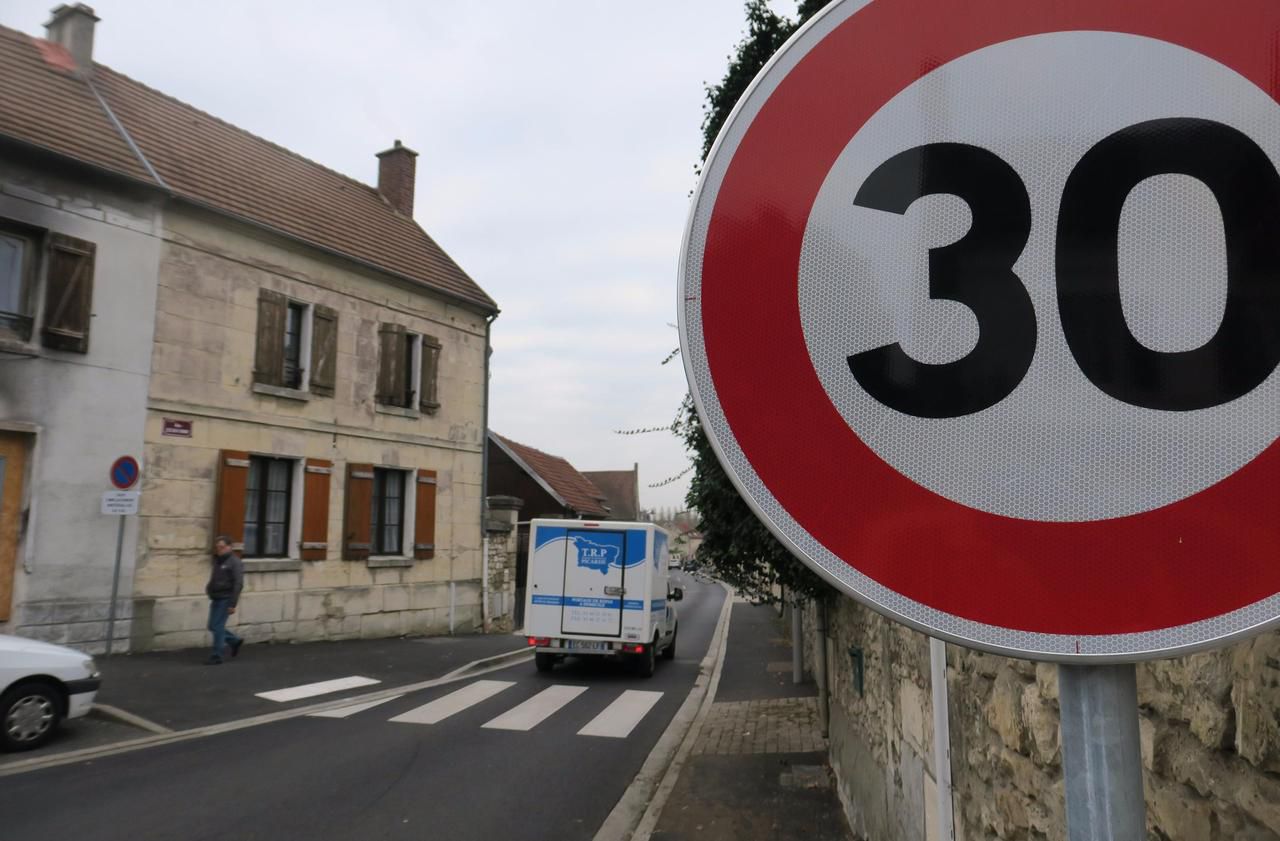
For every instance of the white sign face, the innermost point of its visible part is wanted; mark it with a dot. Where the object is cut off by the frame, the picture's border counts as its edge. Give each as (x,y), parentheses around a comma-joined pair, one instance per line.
(120,502)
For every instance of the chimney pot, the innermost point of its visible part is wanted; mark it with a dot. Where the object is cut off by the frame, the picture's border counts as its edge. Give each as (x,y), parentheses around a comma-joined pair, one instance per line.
(396,172)
(72,27)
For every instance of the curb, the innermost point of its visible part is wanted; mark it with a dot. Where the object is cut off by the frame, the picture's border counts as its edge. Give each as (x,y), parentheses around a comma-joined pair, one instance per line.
(110,713)
(171,736)
(636,813)
(506,658)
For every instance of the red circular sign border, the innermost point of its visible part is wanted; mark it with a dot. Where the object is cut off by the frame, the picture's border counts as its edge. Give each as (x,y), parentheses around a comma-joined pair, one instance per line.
(1136,574)
(137,472)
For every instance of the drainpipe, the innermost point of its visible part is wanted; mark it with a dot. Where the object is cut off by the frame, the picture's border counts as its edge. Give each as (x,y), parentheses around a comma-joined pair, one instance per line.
(484,484)
(941,738)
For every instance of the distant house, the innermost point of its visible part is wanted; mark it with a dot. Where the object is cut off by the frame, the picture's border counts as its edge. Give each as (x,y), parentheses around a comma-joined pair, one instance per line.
(547,485)
(295,362)
(621,489)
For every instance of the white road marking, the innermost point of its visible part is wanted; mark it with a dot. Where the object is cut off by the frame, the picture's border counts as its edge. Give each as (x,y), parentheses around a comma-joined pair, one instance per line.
(343,712)
(455,702)
(324,687)
(537,709)
(621,717)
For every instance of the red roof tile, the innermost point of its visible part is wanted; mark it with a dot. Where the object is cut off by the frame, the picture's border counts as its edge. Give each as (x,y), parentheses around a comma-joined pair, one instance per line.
(574,488)
(211,162)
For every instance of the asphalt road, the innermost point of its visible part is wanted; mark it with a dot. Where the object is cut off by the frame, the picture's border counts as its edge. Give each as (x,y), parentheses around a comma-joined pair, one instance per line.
(367,777)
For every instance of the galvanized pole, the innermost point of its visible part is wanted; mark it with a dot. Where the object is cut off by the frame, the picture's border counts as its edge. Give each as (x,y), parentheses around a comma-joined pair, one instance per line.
(1101,754)
(115,586)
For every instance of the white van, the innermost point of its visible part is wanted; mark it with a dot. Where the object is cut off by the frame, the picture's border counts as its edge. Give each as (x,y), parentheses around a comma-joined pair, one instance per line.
(599,589)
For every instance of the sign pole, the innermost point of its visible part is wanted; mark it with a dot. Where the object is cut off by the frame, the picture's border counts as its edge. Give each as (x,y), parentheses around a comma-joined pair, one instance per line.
(1101,754)
(115,586)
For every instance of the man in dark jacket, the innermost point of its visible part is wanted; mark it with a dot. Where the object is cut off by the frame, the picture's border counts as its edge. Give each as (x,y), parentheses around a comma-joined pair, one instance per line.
(225,582)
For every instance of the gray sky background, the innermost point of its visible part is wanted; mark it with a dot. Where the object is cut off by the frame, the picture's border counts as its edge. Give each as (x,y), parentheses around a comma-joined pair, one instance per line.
(557,143)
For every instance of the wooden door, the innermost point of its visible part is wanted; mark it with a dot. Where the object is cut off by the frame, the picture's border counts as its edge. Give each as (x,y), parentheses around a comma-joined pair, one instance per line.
(13,469)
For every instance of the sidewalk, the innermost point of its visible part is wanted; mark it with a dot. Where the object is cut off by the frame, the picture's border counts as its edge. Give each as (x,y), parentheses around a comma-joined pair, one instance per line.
(758,769)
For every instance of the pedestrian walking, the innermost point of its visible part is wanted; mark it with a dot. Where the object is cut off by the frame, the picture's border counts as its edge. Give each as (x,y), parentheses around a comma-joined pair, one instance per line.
(225,582)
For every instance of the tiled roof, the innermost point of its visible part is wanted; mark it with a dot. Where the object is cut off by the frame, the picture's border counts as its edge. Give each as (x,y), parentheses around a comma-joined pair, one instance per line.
(211,162)
(620,489)
(561,476)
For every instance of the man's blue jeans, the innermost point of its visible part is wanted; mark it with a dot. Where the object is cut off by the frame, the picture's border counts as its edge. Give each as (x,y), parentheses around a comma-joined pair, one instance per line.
(218,625)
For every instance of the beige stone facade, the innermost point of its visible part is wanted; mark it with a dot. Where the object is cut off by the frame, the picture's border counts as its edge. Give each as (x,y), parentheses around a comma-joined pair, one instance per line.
(210,276)
(1209,722)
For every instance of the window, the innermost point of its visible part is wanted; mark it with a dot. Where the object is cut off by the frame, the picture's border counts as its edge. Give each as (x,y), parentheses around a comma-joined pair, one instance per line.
(387,525)
(407,369)
(266,507)
(296,344)
(389,511)
(16,258)
(68,286)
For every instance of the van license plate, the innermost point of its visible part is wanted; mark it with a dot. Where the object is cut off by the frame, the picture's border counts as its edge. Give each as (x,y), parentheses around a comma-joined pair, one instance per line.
(586,645)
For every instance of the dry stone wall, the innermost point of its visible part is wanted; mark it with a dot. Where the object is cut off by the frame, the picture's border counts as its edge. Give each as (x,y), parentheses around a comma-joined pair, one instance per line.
(1210,727)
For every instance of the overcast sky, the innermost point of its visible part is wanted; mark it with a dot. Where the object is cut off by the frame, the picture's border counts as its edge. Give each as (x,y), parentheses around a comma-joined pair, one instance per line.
(557,143)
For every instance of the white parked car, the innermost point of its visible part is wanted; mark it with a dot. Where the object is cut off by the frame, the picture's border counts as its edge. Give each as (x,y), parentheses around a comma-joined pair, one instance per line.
(40,685)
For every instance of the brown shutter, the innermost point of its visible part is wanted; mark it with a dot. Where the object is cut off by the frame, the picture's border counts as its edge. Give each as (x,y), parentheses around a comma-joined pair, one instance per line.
(357,540)
(268,362)
(315,509)
(391,338)
(68,293)
(424,526)
(233,478)
(324,350)
(428,396)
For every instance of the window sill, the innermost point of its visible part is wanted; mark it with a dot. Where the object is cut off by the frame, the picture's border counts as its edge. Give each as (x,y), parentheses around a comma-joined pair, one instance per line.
(389,563)
(10,344)
(399,411)
(281,391)
(272,565)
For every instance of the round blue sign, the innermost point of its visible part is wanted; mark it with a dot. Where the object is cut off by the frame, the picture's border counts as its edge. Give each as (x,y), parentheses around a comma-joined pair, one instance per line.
(124,472)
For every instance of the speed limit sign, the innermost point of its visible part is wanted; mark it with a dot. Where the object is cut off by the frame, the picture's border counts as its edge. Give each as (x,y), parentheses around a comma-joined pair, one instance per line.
(980,305)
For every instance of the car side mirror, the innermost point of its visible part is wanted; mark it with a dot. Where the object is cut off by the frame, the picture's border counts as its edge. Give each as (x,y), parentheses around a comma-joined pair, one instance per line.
(676,594)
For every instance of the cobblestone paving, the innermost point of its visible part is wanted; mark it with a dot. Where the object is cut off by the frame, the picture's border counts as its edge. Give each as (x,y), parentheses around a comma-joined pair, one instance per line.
(777,725)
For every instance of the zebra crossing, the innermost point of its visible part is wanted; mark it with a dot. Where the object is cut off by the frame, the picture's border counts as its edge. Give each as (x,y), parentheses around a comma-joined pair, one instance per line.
(616,721)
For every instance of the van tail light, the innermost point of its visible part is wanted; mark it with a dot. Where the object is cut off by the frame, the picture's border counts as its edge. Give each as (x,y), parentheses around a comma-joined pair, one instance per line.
(633,647)
(543,641)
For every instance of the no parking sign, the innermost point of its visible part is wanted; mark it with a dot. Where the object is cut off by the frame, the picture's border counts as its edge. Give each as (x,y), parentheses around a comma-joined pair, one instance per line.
(980,305)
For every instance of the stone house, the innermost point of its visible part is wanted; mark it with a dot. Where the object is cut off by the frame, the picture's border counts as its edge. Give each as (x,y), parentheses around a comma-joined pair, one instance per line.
(315,376)
(621,489)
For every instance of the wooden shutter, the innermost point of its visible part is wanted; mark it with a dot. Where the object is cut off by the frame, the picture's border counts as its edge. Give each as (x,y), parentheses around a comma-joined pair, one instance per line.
(68,293)
(324,350)
(268,361)
(424,524)
(315,509)
(357,539)
(391,339)
(428,396)
(233,479)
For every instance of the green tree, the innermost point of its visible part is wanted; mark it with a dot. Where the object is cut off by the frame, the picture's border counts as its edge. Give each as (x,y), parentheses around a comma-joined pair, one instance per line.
(736,545)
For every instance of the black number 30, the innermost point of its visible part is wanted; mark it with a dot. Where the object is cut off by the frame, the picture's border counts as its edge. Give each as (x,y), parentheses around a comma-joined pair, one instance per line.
(977,271)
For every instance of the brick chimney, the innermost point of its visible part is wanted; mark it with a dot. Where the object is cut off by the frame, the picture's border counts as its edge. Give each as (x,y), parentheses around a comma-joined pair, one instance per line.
(396,170)
(72,27)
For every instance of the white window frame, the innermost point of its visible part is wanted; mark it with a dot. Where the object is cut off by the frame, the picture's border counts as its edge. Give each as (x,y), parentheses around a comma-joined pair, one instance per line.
(409,514)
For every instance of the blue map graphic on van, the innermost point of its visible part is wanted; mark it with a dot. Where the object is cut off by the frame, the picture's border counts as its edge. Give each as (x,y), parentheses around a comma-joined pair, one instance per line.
(597,556)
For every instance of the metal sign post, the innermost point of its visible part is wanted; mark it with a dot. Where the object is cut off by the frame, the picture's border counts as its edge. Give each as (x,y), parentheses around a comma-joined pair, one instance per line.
(978,309)
(122,503)
(1101,753)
